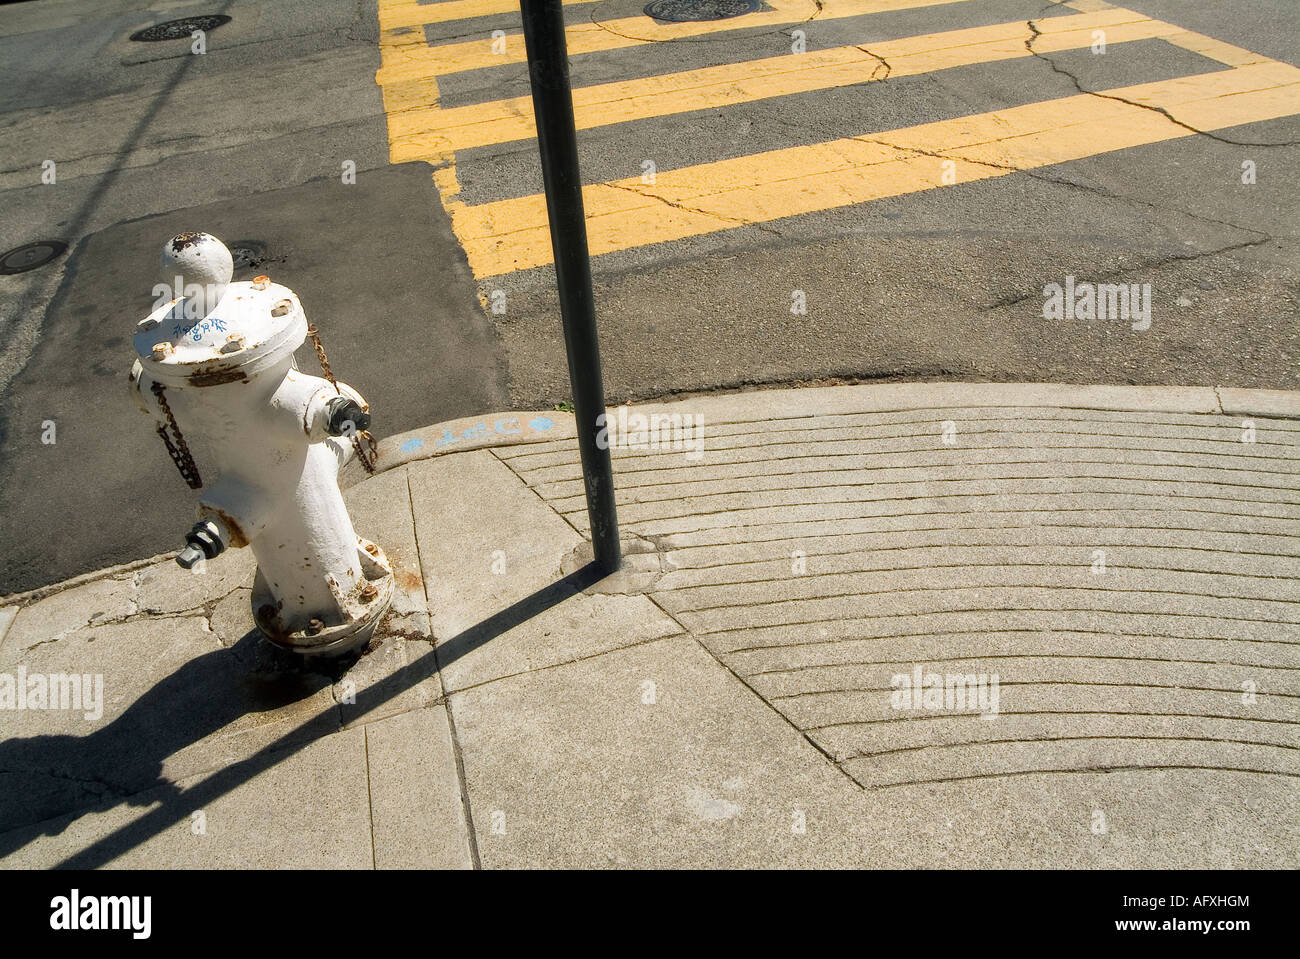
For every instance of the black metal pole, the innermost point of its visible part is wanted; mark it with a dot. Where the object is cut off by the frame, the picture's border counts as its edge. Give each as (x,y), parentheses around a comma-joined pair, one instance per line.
(557,138)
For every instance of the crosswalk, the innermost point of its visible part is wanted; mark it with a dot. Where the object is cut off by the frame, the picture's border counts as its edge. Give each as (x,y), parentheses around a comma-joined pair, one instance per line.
(509,234)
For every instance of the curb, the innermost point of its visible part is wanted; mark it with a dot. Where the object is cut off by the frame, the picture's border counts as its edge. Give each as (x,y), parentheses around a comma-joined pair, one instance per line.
(462,436)
(1283,404)
(538,426)
(518,428)
(41,592)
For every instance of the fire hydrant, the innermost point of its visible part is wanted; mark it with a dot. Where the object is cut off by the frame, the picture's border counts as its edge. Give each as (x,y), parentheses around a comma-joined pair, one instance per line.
(216,367)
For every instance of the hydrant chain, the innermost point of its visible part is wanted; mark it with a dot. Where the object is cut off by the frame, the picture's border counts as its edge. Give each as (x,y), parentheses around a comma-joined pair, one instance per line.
(367,456)
(179,451)
(320,355)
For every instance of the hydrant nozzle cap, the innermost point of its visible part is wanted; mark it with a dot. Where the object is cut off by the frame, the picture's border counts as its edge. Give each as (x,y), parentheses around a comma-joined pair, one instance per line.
(206,329)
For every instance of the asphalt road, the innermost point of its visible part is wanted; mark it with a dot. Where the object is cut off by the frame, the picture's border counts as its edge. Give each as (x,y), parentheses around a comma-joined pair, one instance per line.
(942,283)
(899,282)
(247,142)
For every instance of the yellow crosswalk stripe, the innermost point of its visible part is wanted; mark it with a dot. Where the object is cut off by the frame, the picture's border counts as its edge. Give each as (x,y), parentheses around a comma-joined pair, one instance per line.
(1215,49)
(1195,42)
(398,14)
(418,133)
(416,61)
(509,235)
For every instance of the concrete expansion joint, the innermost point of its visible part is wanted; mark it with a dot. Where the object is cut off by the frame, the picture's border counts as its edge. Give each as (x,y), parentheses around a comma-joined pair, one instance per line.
(448,693)
(826,758)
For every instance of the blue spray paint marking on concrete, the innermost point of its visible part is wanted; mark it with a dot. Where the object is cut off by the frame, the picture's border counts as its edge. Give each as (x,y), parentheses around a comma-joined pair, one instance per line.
(506,426)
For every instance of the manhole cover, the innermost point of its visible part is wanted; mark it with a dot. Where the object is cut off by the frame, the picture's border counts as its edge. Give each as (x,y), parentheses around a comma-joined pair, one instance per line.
(247,254)
(180,29)
(30,256)
(684,11)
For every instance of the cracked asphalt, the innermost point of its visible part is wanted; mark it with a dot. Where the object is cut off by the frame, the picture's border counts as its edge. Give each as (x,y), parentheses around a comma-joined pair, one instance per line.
(247,140)
(945,283)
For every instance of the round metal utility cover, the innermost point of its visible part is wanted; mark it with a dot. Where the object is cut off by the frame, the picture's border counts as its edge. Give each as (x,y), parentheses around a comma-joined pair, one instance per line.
(247,254)
(685,11)
(180,29)
(30,256)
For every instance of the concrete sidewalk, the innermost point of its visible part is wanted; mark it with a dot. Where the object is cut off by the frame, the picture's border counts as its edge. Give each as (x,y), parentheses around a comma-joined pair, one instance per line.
(1121,561)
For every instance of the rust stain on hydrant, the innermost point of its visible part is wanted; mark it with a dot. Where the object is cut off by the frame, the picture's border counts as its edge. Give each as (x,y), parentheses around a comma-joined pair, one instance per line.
(183,240)
(215,368)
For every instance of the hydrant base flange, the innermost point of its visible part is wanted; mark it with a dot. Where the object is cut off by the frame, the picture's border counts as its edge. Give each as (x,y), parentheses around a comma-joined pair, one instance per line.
(364,608)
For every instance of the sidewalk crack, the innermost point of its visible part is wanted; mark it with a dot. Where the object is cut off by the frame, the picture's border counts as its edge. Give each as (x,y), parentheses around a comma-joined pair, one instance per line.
(471,837)
(370,797)
(761,698)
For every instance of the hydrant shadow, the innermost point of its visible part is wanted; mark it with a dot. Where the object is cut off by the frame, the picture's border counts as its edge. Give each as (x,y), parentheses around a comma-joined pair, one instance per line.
(44,777)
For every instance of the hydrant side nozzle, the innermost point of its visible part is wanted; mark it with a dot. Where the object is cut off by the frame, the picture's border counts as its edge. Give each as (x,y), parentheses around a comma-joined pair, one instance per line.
(346,417)
(205,540)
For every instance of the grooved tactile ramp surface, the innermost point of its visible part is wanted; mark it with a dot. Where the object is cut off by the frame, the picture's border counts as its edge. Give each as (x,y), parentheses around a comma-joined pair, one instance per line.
(1128,579)
(889,626)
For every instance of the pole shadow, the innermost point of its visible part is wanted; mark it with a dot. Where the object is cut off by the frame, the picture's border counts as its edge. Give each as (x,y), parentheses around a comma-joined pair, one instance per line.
(44,779)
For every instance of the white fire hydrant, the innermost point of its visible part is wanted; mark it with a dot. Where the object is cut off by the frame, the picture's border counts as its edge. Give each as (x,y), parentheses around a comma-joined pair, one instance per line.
(216,368)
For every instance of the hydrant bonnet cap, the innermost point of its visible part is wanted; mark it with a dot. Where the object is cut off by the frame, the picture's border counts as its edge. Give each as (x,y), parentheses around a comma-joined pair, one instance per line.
(207,329)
